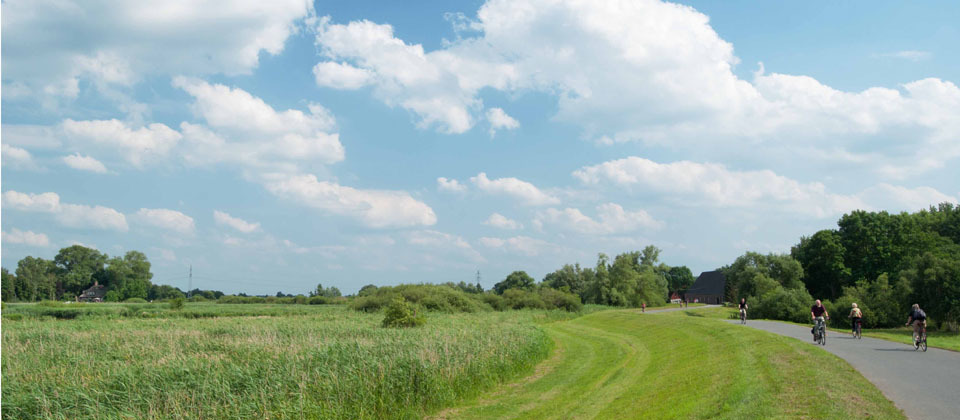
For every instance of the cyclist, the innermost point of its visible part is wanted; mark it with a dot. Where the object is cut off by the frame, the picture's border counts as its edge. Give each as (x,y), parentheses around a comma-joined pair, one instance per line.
(817,313)
(856,315)
(743,308)
(917,318)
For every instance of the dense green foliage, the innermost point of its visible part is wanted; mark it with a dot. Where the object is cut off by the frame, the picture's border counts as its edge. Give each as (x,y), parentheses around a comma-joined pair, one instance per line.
(400,313)
(883,262)
(302,362)
(632,279)
(444,298)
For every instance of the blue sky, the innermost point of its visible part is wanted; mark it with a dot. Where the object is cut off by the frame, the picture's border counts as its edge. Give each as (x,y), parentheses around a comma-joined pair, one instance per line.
(274,146)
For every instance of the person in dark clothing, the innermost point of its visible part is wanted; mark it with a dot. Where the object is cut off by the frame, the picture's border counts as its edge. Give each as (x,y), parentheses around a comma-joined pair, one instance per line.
(917,318)
(818,313)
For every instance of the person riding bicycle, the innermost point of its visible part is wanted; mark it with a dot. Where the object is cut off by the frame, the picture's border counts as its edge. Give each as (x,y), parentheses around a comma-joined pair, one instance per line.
(817,313)
(918,318)
(856,315)
(743,308)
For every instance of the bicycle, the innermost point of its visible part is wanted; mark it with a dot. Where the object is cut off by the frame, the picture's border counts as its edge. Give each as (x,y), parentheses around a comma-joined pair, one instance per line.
(820,331)
(921,340)
(743,317)
(856,329)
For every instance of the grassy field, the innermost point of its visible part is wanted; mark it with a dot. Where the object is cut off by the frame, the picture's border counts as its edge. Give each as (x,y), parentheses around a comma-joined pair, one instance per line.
(257,361)
(621,364)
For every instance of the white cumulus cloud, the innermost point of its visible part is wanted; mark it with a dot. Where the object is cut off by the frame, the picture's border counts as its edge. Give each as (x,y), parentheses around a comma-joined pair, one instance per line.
(374,208)
(15,157)
(224,219)
(500,221)
(527,193)
(137,145)
(84,163)
(166,219)
(70,215)
(17,236)
(451,185)
(518,244)
(611,219)
(341,76)
(499,119)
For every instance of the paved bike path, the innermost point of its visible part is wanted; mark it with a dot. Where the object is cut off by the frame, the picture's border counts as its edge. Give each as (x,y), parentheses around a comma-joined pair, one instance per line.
(925,385)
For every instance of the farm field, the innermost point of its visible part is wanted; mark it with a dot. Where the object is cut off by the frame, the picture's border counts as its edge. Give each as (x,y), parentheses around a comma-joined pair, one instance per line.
(256,361)
(620,364)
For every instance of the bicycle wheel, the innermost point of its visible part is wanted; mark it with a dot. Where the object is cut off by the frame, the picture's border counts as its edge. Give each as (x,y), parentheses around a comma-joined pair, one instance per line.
(859,332)
(923,342)
(823,336)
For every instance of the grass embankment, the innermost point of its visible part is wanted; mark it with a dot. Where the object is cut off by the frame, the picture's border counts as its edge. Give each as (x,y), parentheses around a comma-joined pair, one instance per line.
(621,364)
(940,339)
(329,363)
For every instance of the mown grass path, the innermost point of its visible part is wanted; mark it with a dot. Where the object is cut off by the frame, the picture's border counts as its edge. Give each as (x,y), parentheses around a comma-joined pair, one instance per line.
(623,364)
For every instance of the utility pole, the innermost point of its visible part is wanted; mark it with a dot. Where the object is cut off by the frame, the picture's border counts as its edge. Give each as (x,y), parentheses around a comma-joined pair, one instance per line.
(479,287)
(190,287)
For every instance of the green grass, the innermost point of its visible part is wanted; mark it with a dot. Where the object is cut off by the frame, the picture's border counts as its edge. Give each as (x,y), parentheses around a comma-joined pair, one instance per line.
(621,364)
(60,310)
(270,362)
(939,339)
(942,339)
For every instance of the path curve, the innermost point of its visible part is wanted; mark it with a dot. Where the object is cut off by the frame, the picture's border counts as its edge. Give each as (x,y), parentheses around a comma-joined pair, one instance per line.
(925,385)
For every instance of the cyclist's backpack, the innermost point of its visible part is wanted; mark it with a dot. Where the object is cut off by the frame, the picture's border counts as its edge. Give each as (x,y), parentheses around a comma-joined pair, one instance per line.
(920,314)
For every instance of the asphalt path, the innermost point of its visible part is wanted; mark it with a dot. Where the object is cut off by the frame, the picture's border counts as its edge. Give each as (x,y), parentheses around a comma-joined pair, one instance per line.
(925,385)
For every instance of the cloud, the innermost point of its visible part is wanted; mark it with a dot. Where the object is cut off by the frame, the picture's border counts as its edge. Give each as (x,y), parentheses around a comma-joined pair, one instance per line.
(500,221)
(341,76)
(898,198)
(84,163)
(910,55)
(444,242)
(450,185)
(166,219)
(374,208)
(500,120)
(525,245)
(612,219)
(524,191)
(245,129)
(118,43)
(17,158)
(17,236)
(149,143)
(70,215)
(648,71)
(224,219)
(713,184)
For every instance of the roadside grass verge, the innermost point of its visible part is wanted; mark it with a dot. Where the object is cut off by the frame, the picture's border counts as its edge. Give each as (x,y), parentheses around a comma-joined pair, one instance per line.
(330,363)
(939,339)
(621,364)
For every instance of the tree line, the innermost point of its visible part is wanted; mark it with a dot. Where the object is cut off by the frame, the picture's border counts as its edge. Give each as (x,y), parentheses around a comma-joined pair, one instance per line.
(884,262)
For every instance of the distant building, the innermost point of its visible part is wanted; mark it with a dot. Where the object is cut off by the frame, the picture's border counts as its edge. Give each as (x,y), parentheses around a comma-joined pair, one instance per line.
(708,288)
(94,294)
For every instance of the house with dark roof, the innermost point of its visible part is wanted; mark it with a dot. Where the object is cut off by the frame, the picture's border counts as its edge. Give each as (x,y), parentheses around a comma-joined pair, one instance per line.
(94,294)
(708,288)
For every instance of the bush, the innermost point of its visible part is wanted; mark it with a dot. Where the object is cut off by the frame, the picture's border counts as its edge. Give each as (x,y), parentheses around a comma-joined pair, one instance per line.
(135,300)
(556,299)
(522,299)
(197,298)
(431,297)
(176,303)
(494,300)
(13,317)
(401,313)
(783,304)
(317,300)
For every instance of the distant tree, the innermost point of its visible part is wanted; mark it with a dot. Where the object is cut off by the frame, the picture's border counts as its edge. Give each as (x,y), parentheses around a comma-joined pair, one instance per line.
(36,279)
(650,255)
(325,292)
(821,257)
(77,266)
(367,290)
(679,278)
(162,292)
(9,292)
(516,280)
(568,278)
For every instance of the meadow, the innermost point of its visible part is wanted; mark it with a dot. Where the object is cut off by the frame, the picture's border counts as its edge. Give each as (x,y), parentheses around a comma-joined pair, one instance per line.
(208,360)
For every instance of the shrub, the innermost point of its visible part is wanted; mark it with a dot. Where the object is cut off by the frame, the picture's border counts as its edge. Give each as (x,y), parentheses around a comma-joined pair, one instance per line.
(317,300)
(522,299)
(197,298)
(494,300)
(783,304)
(135,300)
(13,317)
(556,299)
(401,313)
(176,303)
(431,297)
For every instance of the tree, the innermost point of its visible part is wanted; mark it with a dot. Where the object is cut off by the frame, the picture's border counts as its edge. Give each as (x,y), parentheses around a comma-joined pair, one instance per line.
(679,278)
(9,292)
(650,255)
(325,292)
(821,257)
(569,278)
(77,265)
(367,290)
(516,280)
(36,279)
